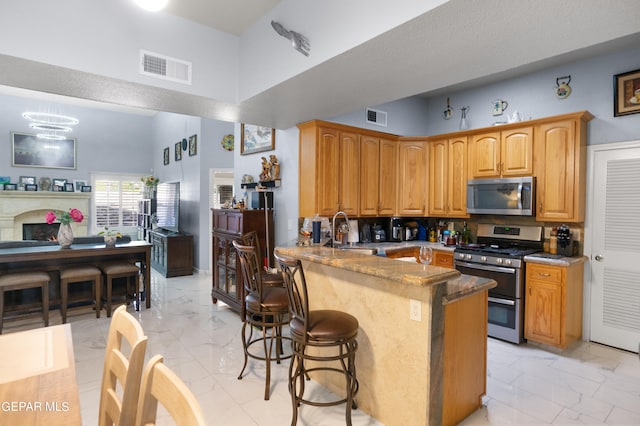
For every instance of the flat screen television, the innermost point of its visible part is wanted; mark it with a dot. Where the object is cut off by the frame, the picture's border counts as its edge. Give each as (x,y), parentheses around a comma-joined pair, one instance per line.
(168,206)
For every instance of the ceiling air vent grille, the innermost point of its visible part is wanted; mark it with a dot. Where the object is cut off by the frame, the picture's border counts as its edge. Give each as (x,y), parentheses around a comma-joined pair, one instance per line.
(164,67)
(376,117)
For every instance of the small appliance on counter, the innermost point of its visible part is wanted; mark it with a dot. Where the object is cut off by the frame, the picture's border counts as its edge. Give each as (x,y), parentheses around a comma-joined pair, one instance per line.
(379,235)
(563,241)
(396,230)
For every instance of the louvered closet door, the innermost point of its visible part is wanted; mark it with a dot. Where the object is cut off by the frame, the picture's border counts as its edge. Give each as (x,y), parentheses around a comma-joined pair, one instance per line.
(615,255)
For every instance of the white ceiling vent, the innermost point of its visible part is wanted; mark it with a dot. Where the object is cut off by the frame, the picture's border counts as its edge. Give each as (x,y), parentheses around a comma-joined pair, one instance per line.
(164,67)
(376,117)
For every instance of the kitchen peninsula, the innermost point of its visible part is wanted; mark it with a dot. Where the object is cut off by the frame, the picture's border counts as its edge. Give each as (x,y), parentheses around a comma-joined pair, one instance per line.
(422,340)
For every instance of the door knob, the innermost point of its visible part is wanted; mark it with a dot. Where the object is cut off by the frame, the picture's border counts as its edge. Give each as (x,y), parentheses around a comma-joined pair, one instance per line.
(599,258)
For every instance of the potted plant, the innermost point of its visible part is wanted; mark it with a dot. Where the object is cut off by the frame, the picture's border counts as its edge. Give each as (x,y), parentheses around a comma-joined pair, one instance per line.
(110,236)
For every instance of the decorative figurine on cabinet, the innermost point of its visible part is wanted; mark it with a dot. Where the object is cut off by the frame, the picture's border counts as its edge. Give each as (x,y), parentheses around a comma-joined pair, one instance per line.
(266,170)
(275,166)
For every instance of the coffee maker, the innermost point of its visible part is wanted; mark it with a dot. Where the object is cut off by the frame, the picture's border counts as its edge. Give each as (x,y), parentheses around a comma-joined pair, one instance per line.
(396,230)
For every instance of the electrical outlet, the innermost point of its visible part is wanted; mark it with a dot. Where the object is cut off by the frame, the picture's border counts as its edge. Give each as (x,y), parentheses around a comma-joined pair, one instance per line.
(415,310)
(575,234)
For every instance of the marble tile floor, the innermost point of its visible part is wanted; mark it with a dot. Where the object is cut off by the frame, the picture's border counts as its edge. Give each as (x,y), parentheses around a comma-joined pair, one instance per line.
(526,385)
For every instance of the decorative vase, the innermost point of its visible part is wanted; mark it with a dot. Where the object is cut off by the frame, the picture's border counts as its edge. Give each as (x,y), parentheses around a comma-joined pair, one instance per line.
(65,235)
(110,240)
(149,192)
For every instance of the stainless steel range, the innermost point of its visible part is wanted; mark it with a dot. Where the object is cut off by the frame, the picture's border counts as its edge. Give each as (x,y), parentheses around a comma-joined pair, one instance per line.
(499,255)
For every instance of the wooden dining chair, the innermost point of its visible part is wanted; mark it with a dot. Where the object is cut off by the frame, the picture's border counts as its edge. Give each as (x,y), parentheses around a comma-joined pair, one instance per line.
(161,385)
(121,375)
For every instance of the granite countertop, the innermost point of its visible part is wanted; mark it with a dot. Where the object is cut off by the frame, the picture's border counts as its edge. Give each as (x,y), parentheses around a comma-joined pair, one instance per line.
(554,259)
(412,273)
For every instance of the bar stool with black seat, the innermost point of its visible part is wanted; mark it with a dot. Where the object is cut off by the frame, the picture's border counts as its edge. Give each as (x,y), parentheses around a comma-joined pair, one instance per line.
(79,275)
(116,270)
(266,309)
(271,280)
(21,281)
(331,336)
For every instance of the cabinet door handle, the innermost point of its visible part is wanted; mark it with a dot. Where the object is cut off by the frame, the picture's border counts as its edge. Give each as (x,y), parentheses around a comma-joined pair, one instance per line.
(544,274)
(599,258)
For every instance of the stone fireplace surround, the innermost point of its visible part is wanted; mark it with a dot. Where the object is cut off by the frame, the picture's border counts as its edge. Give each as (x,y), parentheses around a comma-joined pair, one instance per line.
(20,207)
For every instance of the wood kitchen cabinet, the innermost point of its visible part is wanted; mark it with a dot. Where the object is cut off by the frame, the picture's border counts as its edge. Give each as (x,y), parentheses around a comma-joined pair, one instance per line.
(412,177)
(329,169)
(553,308)
(229,225)
(442,258)
(378,164)
(507,153)
(560,168)
(448,177)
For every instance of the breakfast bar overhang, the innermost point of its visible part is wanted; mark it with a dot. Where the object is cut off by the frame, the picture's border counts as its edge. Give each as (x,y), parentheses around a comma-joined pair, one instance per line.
(421,355)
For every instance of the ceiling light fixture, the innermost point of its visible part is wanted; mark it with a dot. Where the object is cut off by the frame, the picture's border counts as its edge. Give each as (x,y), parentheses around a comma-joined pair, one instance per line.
(50,127)
(298,41)
(48,118)
(152,5)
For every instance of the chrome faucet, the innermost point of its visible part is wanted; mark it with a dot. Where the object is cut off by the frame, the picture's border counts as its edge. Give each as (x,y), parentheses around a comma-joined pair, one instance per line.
(334,242)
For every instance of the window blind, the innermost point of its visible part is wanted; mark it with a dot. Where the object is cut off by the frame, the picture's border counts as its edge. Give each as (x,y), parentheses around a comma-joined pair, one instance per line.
(115,202)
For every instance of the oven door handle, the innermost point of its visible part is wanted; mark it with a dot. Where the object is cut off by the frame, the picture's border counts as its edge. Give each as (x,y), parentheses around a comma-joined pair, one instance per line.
(502,301)
(487,267)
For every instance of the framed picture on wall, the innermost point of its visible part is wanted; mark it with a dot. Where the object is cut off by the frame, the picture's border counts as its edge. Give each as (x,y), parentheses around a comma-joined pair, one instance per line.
(178,151)
(166,156)
(626,93)
(68,187)
(78,184)
(256,139)
(31,151)
(193,145)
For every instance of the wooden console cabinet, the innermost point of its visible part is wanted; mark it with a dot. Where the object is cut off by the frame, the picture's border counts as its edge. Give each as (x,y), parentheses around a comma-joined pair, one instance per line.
(229,225)
(171,253)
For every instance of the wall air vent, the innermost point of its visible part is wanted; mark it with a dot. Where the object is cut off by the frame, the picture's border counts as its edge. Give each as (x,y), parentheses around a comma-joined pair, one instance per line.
(164,67)
(376,117)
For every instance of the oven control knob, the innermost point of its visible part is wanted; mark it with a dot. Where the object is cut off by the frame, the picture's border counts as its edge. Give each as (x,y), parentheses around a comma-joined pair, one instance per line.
(499,261)
(483,258)
(460,255)
(507,262)
(469,257)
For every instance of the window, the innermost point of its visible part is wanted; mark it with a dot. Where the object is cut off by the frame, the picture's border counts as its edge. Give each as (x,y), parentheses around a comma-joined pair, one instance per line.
(115,202)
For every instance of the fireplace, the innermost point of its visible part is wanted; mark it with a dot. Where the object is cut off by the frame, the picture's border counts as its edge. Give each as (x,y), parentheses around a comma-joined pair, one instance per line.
(40,231)
(30,207)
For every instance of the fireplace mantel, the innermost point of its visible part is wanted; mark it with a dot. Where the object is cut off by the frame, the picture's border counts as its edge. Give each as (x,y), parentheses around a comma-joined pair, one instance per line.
(19,207)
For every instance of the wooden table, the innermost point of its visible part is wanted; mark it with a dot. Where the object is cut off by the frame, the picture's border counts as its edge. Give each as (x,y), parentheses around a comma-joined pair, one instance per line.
(38,383)
(51,258)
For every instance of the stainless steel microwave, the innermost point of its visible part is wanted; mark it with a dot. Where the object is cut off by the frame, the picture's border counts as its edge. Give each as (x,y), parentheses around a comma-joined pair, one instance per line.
(506,196)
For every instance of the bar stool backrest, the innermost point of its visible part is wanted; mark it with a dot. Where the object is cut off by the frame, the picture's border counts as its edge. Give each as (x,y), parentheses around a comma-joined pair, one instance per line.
(296,285)
(248,257)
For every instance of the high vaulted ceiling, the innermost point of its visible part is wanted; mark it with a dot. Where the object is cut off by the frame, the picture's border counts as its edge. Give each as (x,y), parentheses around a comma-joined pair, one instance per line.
(459,44)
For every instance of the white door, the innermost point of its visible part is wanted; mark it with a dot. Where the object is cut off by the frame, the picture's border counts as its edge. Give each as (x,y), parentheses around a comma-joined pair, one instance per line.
(614,231)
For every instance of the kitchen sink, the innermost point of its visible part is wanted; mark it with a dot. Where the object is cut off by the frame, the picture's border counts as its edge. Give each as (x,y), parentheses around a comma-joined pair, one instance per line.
(360,249)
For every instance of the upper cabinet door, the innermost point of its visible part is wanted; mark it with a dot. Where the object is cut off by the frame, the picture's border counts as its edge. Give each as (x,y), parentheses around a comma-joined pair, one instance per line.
(369,175)
(484,155)
(388,168)
(517,152)
(349,173)
(438,181)
(412,178)
(558,158)
(328,184)
(457,177)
